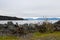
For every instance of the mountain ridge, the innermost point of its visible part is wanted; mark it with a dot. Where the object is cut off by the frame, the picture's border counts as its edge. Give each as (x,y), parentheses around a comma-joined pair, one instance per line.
(10,18)
(48,18)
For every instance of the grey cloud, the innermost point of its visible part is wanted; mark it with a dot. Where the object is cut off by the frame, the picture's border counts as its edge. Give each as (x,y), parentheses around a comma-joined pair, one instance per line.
(27,8)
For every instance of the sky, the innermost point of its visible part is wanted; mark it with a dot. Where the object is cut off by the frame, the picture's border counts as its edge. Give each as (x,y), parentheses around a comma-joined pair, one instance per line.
(30,8)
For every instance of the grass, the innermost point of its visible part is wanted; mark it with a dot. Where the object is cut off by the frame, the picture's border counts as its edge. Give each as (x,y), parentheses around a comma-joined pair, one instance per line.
(36,35)
(8,38)
(45,36)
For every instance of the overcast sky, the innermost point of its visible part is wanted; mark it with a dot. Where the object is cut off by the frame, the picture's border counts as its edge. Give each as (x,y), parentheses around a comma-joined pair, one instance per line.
(30,8)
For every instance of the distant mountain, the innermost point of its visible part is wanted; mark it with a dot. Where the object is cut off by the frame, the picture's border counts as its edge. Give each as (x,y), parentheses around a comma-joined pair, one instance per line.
(29,18)
(52,18)
(9,18)
(48,18)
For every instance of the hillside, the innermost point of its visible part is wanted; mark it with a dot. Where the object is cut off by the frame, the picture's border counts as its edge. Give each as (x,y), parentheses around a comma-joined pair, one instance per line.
(9,18)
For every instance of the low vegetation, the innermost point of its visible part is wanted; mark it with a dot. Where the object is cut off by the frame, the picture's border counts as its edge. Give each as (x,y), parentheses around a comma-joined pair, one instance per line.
(26,31)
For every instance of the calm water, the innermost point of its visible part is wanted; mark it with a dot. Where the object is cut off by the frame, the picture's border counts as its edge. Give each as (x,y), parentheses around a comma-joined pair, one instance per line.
(27,21)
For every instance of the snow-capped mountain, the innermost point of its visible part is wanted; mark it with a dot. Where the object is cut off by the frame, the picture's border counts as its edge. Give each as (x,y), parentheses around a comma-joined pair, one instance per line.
(48,18)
